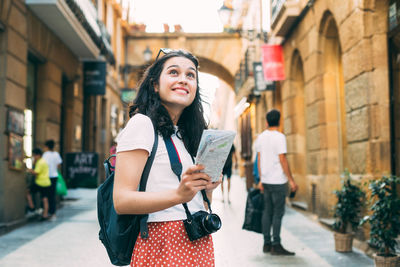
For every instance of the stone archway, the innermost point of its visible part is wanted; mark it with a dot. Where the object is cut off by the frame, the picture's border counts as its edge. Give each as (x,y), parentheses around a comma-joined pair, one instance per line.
(295,126)
(212,67)
(332,108)
(219,54)
(334,94)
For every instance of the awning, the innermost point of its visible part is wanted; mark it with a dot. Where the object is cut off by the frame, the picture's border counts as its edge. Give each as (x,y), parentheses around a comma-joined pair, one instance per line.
(75,23)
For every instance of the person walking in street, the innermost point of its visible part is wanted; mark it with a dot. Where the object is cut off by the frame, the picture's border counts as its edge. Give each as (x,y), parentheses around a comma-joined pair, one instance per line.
(227,171)
(54,161)
(168,99)
(41,183)
(275,174)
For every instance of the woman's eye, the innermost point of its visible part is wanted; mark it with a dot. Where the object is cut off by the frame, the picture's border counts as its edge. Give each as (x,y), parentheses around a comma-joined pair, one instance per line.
(173,72)
(191,75)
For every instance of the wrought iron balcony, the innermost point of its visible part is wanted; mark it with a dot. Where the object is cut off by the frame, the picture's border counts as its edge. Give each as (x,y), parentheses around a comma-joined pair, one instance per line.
(283,15)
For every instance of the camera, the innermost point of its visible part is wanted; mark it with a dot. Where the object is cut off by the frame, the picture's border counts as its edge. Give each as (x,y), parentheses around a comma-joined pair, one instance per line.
(201,224)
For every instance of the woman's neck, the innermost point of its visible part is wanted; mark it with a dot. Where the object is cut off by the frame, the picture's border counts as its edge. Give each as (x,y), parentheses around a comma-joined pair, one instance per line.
(174,114)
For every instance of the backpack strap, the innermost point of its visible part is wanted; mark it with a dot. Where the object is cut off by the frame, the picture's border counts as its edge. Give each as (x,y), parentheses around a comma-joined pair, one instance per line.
(176,167)
(144,233)
(108,168)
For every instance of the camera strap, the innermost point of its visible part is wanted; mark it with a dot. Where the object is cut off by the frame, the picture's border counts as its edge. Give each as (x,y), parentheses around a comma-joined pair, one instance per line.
(176,166)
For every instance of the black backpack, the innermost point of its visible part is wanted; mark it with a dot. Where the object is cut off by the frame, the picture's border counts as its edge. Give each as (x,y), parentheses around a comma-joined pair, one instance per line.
(118,233)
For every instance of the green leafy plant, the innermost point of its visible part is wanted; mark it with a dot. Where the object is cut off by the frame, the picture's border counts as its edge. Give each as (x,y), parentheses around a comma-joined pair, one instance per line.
(385,217)
(347,210)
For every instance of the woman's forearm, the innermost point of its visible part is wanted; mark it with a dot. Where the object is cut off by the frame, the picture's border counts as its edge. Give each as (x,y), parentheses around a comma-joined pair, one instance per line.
(127,200)
(134,202)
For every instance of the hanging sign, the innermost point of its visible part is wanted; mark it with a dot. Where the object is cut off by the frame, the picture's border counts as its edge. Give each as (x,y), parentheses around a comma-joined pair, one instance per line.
(94,77)
(260,83)
(272,60)
(81,168)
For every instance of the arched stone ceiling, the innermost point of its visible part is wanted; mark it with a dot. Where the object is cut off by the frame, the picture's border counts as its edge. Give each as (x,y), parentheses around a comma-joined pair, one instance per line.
(219,53)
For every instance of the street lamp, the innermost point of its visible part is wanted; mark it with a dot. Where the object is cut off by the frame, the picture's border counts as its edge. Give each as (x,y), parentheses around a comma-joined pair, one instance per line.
(147,54)
(225,13)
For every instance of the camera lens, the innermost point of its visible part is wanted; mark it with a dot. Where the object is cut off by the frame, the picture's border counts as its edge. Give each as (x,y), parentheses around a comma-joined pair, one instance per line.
(211,223)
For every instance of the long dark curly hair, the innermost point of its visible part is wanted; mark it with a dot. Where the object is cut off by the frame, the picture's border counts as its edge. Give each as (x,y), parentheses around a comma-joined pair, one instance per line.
(191,122)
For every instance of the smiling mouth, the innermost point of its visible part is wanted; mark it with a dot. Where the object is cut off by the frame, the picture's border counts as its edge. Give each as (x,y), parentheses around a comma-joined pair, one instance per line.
(181,89)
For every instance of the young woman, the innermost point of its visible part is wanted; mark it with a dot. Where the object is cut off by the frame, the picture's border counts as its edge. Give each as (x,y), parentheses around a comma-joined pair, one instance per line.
(169,100)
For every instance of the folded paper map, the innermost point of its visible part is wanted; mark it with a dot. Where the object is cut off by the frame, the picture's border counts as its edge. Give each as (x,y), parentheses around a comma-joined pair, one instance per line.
(213,151)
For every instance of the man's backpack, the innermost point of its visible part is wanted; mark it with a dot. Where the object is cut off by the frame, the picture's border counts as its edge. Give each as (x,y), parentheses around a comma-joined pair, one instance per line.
(119,232)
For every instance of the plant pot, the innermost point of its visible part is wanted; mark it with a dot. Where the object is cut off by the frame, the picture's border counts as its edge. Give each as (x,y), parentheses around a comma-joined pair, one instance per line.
(343,242)
(381,261)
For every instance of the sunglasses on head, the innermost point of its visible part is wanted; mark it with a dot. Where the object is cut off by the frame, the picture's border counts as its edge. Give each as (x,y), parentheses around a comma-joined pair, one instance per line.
(165,51)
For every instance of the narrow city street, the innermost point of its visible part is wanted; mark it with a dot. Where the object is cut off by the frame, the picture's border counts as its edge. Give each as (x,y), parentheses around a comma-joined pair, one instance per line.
(72,240)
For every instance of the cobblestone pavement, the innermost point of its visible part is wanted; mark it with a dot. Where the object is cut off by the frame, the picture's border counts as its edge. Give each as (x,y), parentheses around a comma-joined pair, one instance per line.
(72,240)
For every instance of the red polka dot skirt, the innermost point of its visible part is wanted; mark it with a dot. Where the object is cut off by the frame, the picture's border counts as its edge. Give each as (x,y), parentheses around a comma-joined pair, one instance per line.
(168,245)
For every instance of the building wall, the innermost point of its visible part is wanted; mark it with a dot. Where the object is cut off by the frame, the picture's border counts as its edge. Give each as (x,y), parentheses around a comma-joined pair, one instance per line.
(60,99)
(26,37)
(12,90)
(335,102)
(59,62)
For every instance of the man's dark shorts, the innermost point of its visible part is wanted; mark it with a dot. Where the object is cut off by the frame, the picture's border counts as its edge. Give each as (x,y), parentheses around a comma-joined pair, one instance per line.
(44,191)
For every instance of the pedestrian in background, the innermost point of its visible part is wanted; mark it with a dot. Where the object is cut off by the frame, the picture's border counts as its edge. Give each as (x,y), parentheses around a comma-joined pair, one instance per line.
(169,100)
(227,171)
(41,183)
(54,161)
(275,174)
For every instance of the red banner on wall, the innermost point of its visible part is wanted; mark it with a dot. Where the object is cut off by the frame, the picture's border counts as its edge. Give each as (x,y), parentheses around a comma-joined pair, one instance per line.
(272,59)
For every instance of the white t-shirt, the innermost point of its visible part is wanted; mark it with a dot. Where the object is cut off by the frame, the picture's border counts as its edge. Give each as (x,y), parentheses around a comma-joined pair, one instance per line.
(139,134)
(53,159)
(271,144)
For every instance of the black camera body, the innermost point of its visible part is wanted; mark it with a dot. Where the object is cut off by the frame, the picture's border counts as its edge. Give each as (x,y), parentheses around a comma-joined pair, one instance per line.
(201,224)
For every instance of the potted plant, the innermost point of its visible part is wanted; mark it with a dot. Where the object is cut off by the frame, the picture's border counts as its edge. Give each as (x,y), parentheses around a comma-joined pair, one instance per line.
(347,212)
(384,220)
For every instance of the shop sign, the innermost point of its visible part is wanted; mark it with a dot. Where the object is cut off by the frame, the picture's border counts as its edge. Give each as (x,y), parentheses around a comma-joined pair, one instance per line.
(260,83)
(15,121)
(81,168)
(94,77)
(272,60)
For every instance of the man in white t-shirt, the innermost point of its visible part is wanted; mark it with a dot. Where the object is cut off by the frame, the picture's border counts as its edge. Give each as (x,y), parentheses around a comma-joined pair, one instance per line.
(54,160)
(274,172)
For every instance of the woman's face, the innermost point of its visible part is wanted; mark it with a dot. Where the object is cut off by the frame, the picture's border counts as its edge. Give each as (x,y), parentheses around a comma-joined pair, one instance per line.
(177,84)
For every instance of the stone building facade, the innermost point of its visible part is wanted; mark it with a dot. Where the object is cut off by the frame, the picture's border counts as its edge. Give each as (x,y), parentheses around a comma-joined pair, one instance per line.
(41,79)
(335,100)
(340,98)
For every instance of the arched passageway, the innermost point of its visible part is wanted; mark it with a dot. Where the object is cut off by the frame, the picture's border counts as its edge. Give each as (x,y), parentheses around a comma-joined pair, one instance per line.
(294,124)
(219,54)
(333,133)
